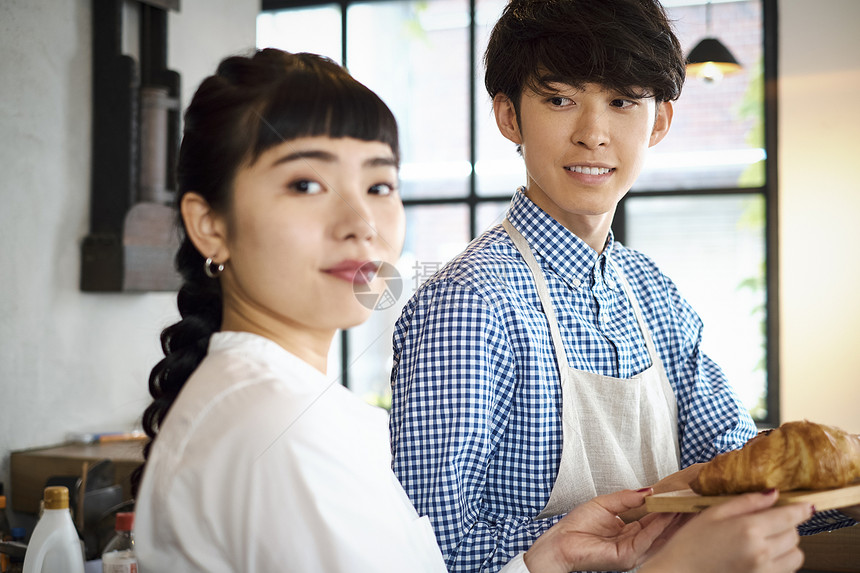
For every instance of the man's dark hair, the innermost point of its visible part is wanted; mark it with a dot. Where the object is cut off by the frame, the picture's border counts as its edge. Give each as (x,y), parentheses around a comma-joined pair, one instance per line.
(625,45)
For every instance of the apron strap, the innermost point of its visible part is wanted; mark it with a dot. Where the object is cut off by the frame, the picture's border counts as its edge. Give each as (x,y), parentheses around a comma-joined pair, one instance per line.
(525,250)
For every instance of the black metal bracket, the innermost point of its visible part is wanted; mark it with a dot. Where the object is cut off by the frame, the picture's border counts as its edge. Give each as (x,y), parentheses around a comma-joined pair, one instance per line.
(136,121)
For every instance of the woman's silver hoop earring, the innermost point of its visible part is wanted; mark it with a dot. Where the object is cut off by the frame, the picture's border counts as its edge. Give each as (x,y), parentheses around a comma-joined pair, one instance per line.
(212,269)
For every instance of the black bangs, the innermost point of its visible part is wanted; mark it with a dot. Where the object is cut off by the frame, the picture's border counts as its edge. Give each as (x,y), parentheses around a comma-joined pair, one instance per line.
(308,103)
(624,45)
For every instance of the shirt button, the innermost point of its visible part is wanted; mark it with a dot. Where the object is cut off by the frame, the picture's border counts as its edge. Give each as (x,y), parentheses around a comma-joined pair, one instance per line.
(610,283)
(576,282)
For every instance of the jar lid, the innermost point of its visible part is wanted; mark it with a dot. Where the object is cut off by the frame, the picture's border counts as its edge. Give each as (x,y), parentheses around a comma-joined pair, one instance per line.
(125,521)
(57,497)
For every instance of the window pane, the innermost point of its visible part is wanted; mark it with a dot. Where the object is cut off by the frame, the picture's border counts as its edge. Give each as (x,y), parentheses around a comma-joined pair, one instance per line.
(434,235)
(717,134)
(499,169)
(713,248)
(491,214)
(315,30)
(415,55)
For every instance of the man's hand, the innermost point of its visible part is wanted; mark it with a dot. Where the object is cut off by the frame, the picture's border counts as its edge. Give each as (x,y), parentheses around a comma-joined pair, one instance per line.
(592,536)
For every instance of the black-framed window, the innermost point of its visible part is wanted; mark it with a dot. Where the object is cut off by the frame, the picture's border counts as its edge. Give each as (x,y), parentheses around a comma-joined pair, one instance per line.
(704,208)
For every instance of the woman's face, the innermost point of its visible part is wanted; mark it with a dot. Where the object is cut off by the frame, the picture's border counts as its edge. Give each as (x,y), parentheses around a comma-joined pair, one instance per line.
(305,217)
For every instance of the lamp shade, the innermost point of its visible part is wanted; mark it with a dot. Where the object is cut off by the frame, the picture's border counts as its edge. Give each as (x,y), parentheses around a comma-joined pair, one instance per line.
(711,59)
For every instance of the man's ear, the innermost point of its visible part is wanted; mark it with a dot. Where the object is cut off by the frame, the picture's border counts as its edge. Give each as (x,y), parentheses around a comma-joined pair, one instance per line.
(204,227)
(665,110)
(506,118)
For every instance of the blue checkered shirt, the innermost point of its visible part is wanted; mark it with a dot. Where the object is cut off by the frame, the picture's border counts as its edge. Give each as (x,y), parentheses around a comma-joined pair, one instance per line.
(475,419)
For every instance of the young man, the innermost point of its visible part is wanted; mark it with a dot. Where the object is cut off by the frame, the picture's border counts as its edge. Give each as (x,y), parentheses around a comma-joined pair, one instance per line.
(548,363)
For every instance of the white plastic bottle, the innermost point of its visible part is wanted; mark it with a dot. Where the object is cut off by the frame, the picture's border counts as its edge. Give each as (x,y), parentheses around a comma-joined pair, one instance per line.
(118,556)
(54,546)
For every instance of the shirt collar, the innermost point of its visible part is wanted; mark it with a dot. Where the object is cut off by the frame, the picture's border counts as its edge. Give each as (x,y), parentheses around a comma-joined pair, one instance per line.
(562,251)
(267,350)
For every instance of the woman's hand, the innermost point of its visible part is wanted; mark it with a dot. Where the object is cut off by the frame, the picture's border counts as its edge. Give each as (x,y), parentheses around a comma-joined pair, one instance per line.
(592,536)
(744,535)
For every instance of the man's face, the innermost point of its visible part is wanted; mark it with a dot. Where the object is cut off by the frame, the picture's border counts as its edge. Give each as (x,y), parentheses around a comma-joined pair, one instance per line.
(583,148)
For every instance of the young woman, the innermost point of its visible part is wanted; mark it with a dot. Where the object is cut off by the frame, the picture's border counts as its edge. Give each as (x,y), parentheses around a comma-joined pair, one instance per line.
(260,462)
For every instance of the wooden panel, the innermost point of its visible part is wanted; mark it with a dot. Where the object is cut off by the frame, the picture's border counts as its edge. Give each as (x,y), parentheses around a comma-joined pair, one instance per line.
(31,468)
(834,551)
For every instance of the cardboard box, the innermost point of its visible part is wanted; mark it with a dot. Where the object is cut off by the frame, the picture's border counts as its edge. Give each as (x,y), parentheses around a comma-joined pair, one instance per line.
(31,468)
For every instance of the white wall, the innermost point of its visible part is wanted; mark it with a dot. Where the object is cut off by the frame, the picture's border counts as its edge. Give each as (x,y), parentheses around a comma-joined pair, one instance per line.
(819,180)
(71,361)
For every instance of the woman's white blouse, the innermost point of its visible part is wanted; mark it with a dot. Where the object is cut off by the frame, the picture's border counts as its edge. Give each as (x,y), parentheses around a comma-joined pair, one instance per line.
(264,464)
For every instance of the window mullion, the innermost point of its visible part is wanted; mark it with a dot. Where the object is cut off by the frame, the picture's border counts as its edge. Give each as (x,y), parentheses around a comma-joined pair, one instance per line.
(473,126)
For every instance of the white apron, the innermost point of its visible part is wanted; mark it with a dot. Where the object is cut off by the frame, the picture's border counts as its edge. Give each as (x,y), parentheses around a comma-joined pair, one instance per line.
(617,433)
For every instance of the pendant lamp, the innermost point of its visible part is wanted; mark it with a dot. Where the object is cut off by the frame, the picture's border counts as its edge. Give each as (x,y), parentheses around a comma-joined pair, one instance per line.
(711,59)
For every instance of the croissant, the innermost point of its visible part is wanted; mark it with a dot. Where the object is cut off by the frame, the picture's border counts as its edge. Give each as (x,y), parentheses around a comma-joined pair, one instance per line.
(797,455)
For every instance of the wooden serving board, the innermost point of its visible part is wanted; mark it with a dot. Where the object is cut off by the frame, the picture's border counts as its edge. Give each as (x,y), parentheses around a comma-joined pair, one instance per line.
(687,501)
